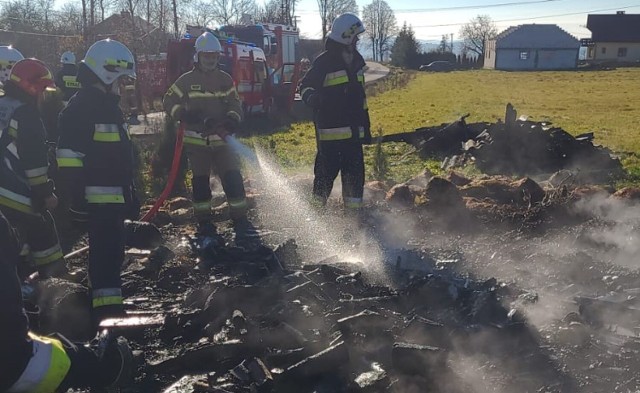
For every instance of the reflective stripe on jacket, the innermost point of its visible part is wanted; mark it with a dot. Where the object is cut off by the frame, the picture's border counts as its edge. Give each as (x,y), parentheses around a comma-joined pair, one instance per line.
(24,183)
(47,368)
(342,112)
(212,95)
(95,147)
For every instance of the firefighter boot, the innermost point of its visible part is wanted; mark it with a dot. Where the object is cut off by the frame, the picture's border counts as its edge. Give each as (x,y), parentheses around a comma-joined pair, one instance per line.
(119,364)
(246,234)
(206,228)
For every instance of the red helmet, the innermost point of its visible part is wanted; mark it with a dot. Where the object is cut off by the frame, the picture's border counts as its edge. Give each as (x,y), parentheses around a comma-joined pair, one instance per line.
(32,76)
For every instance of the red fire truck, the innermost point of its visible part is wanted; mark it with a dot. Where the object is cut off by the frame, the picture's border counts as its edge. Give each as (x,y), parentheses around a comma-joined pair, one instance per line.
(261,58)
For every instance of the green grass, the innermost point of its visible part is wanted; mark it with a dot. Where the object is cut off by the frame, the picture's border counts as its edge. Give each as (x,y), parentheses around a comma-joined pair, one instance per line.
(605,102)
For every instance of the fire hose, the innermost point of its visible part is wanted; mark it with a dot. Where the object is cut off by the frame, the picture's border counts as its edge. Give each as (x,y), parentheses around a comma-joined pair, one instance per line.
(173,173)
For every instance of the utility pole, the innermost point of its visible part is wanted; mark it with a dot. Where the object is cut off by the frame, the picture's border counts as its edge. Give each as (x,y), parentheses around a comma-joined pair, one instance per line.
(451,43)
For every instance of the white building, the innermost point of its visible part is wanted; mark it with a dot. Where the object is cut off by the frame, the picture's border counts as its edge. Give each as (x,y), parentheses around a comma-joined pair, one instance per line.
(532,47)
(614,38)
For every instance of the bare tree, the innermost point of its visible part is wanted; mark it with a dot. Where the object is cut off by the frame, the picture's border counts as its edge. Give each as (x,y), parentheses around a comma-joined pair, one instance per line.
(69,19)
(277,11)
(476,33)
(200,13)
(330,9)
(269,12)
(228,12)
(174,6)
(380,23)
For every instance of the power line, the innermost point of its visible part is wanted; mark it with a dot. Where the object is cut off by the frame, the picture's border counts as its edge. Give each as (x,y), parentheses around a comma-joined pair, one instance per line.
(41,34)
(462,7)
(472,7)
(537,17)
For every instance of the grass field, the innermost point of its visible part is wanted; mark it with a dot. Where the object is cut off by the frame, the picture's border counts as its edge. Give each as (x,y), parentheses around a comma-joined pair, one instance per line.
(605,102)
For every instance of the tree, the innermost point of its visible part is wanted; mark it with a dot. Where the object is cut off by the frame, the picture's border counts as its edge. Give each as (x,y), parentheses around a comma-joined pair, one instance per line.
(330,9)
(405,51)
(380,23)
(477,32)
(229,12)
(277,11)
(199,13)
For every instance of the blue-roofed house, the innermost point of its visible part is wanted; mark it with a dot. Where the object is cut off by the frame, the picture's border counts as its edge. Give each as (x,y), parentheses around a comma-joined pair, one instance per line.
(532,47)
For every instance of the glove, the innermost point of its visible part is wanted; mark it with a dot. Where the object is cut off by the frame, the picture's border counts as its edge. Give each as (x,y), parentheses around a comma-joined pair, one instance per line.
(222,129)
(230,125)
(315,100)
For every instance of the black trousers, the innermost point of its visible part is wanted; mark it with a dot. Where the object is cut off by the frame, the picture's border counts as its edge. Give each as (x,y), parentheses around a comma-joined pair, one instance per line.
(106,255)
(344,157)
(225,163)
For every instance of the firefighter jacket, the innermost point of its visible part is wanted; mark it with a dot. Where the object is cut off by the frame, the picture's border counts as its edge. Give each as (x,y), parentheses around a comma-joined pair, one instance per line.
(24,183)
(336,92)
(95,149)
(66,81)
(201,96)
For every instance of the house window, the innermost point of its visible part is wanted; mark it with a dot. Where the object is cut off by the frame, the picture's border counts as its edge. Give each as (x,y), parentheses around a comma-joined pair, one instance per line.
(603,50)
(524,55)
(622,52)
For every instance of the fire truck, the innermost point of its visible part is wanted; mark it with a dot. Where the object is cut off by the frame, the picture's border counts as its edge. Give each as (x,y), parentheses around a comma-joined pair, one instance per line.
(261,58)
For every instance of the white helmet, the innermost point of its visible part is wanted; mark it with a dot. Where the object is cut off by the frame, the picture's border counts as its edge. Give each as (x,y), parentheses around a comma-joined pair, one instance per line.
(68,58)
(110,60)
(346,28)
(8,57)
(207,42)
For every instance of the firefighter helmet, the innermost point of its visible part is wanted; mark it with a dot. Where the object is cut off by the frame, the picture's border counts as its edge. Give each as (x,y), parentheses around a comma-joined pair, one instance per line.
(8,57)
(346,28)
(109,60)
(207,42)
(31,76)
(68,58)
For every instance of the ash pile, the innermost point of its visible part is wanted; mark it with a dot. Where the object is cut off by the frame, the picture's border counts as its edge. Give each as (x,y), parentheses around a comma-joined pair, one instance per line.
(514,146)
(263,320)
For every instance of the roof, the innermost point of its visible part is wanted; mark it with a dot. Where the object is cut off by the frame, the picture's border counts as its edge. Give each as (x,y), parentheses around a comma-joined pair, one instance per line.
(536,36)
(141,37)
(614,27)
(121,23)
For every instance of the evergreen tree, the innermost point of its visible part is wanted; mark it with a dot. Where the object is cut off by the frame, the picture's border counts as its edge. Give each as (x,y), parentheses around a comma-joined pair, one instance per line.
(406,50)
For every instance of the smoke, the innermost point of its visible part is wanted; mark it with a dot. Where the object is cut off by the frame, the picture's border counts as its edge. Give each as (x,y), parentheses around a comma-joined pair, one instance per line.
(617,238)
(321,234)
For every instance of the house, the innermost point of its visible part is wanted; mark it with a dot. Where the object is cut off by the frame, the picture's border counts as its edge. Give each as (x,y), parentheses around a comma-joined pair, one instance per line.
(614,38)
(138,34)
(532,47)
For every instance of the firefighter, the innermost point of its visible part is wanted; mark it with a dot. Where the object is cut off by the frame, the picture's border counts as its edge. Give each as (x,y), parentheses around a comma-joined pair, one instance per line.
(26,192)
(66,77)
(95,161)
(206,100)
(32,363)
(334,88)
(8,57)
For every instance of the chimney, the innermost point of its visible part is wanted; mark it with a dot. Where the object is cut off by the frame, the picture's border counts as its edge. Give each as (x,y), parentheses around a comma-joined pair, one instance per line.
(620,12)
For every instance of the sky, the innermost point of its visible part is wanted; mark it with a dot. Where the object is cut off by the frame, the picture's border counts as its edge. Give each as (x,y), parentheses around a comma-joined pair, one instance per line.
(430,21)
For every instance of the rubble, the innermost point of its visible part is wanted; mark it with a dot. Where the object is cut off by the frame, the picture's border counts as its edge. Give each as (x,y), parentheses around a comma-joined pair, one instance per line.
(514,147)
(268,319)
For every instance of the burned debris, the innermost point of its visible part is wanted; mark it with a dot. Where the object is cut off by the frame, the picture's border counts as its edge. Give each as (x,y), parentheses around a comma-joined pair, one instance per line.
(517,147)
(246,326)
